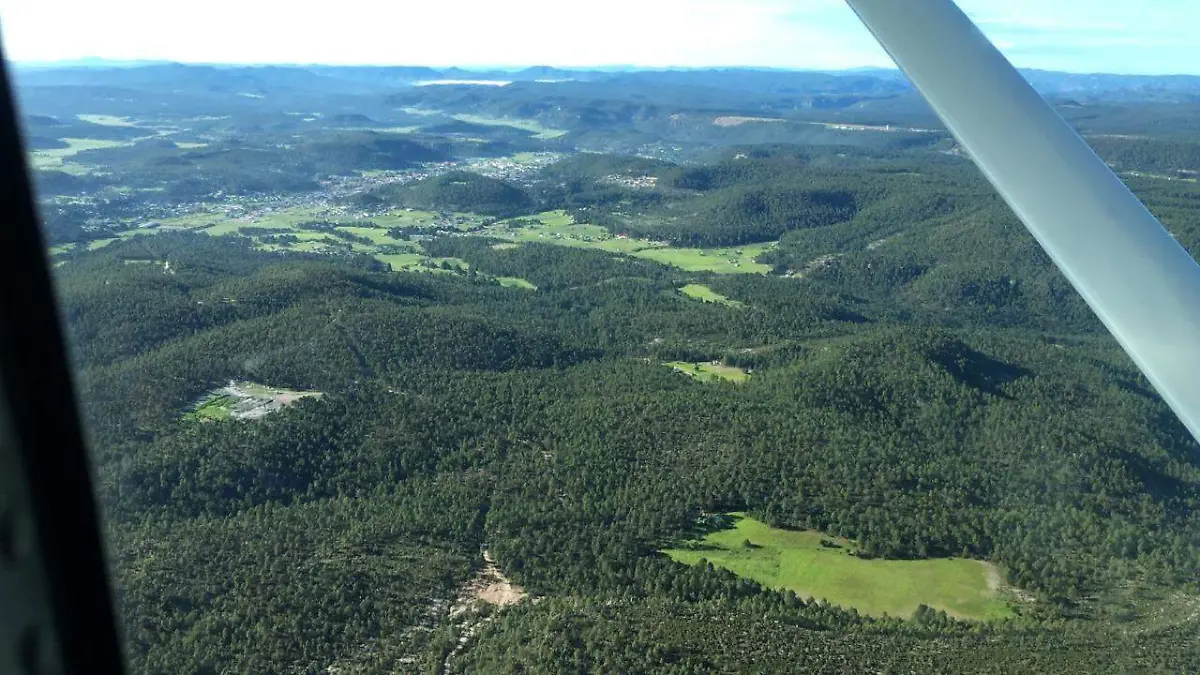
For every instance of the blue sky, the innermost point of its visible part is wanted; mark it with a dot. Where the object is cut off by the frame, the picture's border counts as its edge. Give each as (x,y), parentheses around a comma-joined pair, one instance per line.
(1146,36)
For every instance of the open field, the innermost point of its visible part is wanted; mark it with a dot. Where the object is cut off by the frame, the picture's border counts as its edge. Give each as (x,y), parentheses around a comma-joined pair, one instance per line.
(732,260)
(799,562)
(558,227)
(538,130)
(550,227)
(706,294)
(53,158)
(516,282)
(401,261)
(107,120)
(707,372)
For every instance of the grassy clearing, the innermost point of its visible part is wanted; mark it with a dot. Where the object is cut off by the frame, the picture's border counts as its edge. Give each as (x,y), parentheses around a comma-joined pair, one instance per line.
(732,260)
(107,120)
(799,562)
(401,261)
(538,130)
(378,236)
(53,158)
(707,372)
(213,407)
(558,227)
(706,294)
(516,282)
(100,243)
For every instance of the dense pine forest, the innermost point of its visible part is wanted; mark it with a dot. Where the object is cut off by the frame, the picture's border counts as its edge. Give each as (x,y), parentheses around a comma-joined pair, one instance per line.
(487,324)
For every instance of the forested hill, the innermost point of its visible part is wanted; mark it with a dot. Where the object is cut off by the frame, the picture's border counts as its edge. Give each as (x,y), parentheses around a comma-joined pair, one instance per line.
(630,372)
(459,414)
(455,191)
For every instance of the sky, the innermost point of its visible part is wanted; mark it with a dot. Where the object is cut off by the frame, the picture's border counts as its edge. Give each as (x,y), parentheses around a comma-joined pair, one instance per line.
(1115,36)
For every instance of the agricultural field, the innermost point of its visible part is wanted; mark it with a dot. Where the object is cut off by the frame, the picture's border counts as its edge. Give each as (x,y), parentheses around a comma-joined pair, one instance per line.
(817,566)
(708,372)
(705,294)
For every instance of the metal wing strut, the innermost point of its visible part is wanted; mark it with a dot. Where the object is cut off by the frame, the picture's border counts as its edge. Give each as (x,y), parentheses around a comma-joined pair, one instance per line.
(1136,278)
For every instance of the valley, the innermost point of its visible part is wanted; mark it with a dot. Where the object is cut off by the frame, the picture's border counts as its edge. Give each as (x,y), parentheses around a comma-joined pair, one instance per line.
(646,371)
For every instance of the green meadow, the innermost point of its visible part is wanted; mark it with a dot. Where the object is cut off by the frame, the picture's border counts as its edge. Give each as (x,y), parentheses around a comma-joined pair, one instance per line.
(706,294)
(798,561)
(558,227)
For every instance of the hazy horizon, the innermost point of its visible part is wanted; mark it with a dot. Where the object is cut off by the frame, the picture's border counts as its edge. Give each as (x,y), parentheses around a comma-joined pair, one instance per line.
(101,62)
(1152,38)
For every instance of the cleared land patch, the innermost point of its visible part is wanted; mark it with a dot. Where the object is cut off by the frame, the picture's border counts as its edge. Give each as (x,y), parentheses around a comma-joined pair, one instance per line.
(735,120)
(731,260)
(818,566)
(705,294)
(707,372)
(53,158)
(538,130)
(516,282)
(560,228)
(107,120)
(245,401)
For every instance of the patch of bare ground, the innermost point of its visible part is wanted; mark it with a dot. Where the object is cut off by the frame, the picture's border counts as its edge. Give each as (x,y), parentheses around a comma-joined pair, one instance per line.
(734,120)
(487,590)
(995,583)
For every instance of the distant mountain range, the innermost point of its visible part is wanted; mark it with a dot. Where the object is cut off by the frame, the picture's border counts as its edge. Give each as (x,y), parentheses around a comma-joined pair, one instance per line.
(268,79)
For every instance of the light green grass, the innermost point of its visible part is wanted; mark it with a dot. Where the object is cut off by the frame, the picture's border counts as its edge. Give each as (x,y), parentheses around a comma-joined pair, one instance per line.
(212,408)
(558,227)
(100,243)
(196,219)
(706,294)
(226,227)
(401,261)
(538,130)
(516,282)
(796,561)
(707,372)
(61,249)
(378,236)
(216,221)
(53,158)
(731,260)
(107,120)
